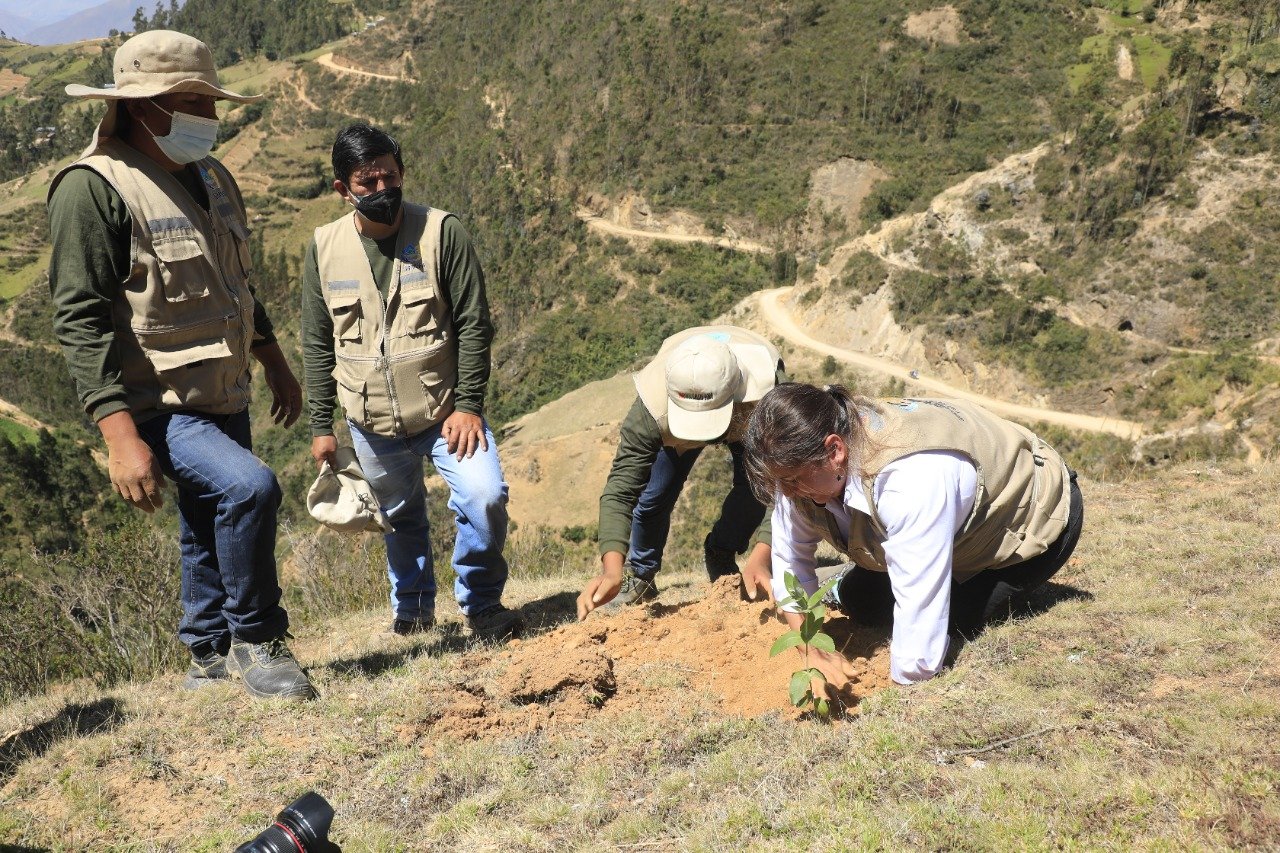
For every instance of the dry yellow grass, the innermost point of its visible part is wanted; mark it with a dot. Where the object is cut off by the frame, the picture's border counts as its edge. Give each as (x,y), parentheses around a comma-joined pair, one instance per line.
(1139,710)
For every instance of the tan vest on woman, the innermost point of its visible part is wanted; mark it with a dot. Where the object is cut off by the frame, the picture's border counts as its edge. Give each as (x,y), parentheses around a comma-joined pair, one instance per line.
(1023,492)
(184,317)
(397,361)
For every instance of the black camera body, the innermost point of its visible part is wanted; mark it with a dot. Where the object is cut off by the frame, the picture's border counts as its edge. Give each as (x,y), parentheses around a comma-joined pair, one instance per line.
(301,827)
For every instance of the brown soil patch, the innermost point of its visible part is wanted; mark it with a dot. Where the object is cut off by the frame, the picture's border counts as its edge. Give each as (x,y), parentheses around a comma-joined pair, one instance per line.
(571,440)
(12,81)
(714,651)
(841,187)
(937,26)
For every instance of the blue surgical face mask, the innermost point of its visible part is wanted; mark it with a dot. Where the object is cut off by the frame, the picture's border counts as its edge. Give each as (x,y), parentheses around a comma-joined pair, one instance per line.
(190,138)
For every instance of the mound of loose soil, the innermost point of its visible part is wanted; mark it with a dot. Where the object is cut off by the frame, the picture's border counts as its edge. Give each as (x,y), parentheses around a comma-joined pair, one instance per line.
(715,650)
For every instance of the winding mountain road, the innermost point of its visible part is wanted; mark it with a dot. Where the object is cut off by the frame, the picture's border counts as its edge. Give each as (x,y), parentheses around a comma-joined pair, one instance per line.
(780,320)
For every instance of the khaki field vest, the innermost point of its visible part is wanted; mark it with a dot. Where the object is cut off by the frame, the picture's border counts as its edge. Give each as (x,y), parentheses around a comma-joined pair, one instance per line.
(184,317)
(1023,487)
(757,357)
(397,362)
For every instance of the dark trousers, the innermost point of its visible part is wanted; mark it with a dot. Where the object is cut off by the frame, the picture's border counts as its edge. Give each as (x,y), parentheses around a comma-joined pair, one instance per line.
(740,513)
(988,595)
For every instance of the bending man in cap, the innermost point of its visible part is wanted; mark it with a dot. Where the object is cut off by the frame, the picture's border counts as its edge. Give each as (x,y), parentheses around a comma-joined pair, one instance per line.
(155,312)
(700,389)
(395,326)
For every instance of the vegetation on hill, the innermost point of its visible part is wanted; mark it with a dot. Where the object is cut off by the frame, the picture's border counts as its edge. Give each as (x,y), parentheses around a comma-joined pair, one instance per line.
(241,29)
(512,114)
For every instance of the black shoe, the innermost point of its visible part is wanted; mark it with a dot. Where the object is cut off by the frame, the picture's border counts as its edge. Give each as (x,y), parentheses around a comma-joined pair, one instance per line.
(406,627)
(634,590)
(719,561)
(269,669)
(495,623)
(206,670)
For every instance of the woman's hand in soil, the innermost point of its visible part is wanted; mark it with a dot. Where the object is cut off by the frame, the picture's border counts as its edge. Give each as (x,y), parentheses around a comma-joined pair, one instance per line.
(834,667)
(757,579)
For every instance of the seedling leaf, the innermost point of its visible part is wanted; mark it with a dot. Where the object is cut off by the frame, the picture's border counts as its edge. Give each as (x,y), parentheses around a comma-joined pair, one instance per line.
(794,588)
(800,687)
(789,640)
(822,642)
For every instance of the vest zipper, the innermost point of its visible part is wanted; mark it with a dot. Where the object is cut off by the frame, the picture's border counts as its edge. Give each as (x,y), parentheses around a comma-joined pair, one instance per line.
(152,330)
(384,361)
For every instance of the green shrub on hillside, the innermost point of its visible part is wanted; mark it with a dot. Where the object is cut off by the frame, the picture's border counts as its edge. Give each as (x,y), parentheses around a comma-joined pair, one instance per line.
(1192,383)
(107,610)
(53,497)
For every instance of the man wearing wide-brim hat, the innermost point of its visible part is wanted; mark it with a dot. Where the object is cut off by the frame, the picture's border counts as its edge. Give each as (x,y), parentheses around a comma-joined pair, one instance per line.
(154,308)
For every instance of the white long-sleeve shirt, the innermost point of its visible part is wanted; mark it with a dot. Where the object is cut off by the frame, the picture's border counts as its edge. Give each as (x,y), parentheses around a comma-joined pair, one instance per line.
(923,500)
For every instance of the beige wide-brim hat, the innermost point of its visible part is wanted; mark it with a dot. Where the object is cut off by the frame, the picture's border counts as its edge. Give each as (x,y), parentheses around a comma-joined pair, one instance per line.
(342,499)
(158,62)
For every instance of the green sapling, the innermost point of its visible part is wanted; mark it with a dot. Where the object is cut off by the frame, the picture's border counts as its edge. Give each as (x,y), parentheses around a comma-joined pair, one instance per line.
(810,636)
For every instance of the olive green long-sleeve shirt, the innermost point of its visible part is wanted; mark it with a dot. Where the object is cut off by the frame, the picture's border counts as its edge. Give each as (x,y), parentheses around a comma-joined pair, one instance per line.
(463,285)
(639,441)
(90,227)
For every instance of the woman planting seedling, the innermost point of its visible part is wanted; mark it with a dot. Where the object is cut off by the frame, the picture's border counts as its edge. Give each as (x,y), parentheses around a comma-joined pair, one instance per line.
(952,514)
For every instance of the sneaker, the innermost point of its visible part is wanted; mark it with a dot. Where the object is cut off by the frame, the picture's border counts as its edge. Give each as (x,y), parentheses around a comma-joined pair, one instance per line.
(206,670)
(495,623)
(269,669)
(719,561)
(406,627)
(634,590)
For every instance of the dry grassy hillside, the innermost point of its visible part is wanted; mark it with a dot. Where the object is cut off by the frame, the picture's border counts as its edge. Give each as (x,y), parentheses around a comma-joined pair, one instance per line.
(1138,708)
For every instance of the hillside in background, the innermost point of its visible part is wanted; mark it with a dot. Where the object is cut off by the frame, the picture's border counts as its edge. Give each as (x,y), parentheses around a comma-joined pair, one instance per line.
(1062,205)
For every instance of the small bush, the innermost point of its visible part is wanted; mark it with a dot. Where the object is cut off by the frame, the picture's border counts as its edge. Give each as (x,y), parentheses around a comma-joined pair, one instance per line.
(108,611)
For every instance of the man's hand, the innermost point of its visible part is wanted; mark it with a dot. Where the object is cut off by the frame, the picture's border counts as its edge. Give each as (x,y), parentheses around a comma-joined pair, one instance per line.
(323,447)
(134,471)
(463,433)
(286,393)
(602,588)
(757,578)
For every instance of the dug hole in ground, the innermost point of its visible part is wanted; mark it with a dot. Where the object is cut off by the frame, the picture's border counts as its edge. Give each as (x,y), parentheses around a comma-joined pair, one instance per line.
(712,650)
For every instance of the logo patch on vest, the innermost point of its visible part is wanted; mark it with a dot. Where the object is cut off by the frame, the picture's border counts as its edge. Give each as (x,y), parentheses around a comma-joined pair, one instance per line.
(411,256)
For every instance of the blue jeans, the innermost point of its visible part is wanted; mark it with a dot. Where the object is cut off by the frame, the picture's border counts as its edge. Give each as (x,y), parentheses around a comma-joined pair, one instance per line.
(478,498)
(227,504)
(740,513)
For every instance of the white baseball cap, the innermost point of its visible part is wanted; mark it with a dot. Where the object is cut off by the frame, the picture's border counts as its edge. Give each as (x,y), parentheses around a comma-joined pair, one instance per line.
(704,380)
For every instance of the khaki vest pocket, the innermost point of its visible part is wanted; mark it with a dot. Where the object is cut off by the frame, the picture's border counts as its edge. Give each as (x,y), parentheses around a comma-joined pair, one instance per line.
(347,312)
(186,355)
(184,274)
(354,400)
(419,316)
(438,377)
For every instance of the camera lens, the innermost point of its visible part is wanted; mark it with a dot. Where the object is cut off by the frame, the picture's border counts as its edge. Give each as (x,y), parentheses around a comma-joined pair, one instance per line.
(308,818)
(273,839)
(302,827)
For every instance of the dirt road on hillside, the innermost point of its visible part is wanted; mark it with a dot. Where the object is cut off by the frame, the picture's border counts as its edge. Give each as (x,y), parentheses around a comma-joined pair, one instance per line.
(779,318)
(597,223)
(326,59)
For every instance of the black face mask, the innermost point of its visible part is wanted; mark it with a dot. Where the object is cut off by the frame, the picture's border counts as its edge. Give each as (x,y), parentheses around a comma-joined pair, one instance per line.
(380,207)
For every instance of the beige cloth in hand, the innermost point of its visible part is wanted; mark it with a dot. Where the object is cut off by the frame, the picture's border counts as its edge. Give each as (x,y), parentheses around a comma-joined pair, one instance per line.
(340,497)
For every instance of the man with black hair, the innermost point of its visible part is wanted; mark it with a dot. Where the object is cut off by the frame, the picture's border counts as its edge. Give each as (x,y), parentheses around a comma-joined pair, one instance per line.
(395,326)
(155,311)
